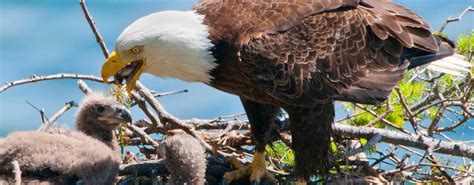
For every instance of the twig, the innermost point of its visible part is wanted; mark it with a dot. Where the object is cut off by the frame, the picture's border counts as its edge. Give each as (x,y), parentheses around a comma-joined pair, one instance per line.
(417,141)
(50,77)
(383,115)
(163,94)
(17,172)
(144,135)
(436,119)
(440,168)
(44,118)
(83,86)
(373,141)
(385,121)
(94,29)
(167,117)
(169,93)
(56,116)
(142,105)
(458,18)
(410,115)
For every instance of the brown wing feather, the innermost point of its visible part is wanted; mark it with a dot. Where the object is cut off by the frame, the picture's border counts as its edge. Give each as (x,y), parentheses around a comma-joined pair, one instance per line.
(307,52)
(241,20)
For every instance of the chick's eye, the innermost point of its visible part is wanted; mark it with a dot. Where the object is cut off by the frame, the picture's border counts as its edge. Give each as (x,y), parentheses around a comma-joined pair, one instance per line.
(136,50)
(100,109)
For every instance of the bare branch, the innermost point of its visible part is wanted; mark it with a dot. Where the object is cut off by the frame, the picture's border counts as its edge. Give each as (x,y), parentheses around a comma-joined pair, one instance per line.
(383,115)
(169,93)
(458,18)
(410,115)
(411,140)
(94,29)
(84,88)
(50,77)
(142,105)
(162,94)
(56,116)
(17,172)
(373,141)
(44,118)
(167,117)
(383,119)
(144,135)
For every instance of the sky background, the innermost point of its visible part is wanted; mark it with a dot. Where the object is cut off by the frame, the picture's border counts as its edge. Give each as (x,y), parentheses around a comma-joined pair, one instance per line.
(44,37)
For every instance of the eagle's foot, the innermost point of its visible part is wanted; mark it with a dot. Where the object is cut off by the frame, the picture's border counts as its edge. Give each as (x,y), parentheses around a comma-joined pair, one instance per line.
(256,170)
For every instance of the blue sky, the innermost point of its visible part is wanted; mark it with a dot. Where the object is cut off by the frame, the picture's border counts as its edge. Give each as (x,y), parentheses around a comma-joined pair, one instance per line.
(51,36)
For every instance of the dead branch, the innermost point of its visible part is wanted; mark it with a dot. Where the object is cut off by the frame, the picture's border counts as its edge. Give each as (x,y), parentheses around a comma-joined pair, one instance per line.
(383,115)
(58,114)
(455,19)
(34,79)
(94,28)
(157,95)
(144,136)
(17,172)
(83,86)
(166,117)
(410,115)
(142,105)
(169,93)
(383,119)
(373,141)
(411,140)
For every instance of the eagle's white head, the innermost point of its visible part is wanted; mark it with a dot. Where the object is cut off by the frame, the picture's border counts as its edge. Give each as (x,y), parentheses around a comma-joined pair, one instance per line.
(165,44)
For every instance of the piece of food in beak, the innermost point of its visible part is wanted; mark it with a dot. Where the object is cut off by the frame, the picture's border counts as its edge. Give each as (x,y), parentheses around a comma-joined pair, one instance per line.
(121,69)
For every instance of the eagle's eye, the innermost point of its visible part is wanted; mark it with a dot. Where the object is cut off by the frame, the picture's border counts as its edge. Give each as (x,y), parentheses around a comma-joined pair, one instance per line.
(99,109)
(136,50)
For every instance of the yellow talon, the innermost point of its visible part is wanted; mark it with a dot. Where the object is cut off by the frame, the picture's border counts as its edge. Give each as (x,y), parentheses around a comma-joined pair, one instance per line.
(256,170)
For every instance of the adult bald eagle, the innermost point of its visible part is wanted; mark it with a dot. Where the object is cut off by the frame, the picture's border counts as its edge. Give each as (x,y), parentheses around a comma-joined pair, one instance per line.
(300,55)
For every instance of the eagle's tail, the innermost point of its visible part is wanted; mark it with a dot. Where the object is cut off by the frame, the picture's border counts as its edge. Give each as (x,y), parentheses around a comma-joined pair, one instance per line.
(445,60)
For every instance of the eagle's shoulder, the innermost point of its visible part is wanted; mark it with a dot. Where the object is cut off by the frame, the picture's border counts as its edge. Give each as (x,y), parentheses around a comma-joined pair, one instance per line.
(238,21)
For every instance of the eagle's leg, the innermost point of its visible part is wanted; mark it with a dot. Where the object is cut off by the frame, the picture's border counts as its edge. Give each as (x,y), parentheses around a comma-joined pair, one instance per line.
(311,130)
(261,118)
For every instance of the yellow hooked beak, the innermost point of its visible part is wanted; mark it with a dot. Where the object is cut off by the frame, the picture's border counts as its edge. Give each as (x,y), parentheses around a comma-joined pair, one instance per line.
(114,64)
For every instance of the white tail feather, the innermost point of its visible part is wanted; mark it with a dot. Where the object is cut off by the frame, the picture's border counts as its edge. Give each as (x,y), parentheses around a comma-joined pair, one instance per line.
(454,65)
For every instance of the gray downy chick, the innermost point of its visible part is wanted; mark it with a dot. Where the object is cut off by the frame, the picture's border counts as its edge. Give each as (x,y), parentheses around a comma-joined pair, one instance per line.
(185,159)
(60,156)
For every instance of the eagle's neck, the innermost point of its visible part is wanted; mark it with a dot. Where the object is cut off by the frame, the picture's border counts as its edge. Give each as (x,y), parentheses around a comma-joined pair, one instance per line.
(106,136)
(182,49)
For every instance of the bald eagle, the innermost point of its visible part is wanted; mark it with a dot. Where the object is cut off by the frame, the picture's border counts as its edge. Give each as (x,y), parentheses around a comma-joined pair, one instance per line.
(299,55)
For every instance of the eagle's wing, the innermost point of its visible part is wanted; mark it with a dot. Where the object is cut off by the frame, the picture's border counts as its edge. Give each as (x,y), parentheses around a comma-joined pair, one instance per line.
(240,20)
(348,50)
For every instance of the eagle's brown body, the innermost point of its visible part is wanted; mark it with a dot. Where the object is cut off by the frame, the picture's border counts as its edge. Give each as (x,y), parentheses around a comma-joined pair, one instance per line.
(301,55)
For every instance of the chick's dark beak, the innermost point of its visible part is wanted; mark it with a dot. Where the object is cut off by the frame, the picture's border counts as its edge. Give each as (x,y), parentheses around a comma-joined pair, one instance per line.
(122,113)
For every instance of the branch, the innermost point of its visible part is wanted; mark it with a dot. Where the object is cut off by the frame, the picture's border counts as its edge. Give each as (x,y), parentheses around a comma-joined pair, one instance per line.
(94,29)
(142,105)
(383,115)
(50,77)
(56,116)
(166,117)
(410,115)
(373,141)
(411,140)
(84,88)
(157,95)
(17,172)
(144,136)
(385,121)
(458,18)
